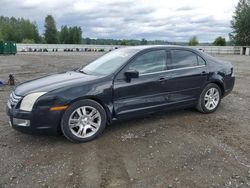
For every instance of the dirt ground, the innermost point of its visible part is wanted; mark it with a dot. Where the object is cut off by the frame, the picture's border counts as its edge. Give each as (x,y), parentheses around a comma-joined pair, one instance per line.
(176,149)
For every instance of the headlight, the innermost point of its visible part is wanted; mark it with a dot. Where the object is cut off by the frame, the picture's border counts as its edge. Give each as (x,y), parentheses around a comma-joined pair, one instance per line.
(29,101)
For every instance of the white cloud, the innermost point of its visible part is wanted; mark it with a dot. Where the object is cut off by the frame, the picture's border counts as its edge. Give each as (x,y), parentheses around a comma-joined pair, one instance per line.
(176,20)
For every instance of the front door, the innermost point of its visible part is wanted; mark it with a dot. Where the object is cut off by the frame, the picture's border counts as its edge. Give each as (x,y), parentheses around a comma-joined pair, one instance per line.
(141,95)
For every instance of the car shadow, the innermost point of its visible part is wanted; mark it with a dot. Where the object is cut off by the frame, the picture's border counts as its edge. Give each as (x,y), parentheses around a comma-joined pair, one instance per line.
(117,126)
(152,118)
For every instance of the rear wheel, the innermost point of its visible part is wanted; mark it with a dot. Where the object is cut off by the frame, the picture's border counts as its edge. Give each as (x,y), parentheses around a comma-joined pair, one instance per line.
(209,99)
(83,121)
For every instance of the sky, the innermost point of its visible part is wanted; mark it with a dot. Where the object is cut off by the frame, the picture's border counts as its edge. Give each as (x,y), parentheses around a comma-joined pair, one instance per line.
(171,20)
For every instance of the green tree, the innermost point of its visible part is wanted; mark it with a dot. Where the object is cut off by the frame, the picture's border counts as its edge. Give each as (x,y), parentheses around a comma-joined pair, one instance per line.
(220,41)
(1,36)
(88,40)
(241,23)
(71,35)
(28,41)
(193,41)
(123,42)
(50,34)
(63,35)
(76,34)
(9,29)
(144,42)
(29,30)
(36,36)
(17,29)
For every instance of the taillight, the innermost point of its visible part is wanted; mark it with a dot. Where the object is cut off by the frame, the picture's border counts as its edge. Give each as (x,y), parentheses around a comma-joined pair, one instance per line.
(232,72)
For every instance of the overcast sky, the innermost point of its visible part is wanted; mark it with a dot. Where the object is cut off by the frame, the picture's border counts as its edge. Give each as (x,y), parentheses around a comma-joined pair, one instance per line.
(172,20)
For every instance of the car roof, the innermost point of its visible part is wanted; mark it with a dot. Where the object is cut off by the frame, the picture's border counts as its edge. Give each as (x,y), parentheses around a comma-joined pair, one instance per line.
(144,47)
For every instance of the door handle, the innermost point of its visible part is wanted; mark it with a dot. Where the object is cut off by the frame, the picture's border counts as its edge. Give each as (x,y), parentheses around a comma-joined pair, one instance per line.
(161,79)
(164,78)
(203,73)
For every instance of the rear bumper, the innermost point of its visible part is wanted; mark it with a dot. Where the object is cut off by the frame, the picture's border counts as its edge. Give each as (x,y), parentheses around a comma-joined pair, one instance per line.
(42,121)
(229,85)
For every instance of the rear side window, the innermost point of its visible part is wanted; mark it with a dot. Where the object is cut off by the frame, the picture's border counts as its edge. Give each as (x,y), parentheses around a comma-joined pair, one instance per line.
(182,59)
(201,61)
(150,62)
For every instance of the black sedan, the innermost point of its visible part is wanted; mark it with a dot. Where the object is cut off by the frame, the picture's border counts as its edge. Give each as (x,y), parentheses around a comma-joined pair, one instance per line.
(124,83)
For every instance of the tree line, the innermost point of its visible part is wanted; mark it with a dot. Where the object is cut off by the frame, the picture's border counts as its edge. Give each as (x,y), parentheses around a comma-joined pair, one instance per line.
(129,42)
(219,41)
(67,35)
(18,30)
(24,31)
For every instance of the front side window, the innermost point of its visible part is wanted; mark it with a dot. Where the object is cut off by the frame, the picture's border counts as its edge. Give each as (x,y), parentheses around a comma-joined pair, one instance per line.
(182,59)
(150,62)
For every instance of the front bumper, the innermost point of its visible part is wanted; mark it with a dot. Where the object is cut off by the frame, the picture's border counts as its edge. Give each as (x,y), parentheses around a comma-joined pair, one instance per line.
(41,120)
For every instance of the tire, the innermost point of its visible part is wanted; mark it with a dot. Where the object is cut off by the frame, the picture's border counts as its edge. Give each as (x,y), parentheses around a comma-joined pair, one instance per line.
(83,121)
(206,103)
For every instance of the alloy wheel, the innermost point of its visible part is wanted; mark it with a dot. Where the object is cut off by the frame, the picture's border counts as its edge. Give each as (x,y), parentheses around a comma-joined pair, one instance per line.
(212,98)
(85,121)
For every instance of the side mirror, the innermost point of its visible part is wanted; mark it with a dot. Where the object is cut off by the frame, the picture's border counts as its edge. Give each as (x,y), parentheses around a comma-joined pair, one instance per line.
(131,74)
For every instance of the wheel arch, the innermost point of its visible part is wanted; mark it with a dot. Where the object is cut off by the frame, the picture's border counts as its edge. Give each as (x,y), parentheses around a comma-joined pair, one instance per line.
(220,84)
(200,104)
(217,79)
(99,101)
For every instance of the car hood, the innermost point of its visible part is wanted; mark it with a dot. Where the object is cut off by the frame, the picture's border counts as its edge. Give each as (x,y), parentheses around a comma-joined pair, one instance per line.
(52,82)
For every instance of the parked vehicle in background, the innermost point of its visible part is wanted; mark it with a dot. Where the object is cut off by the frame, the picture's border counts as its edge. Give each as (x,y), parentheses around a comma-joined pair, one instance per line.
(124,83)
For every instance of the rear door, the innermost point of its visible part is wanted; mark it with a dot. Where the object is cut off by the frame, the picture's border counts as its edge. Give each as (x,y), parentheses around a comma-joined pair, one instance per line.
(186,75)
(142,94)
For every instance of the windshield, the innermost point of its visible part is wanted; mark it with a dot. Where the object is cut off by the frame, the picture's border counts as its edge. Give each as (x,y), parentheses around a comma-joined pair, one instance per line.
(109,63)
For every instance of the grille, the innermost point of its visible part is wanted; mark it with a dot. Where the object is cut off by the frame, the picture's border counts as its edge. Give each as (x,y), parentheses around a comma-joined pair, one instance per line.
(13,100)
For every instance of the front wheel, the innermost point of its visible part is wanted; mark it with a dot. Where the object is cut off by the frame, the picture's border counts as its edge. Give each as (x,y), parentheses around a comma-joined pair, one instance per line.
(83,121)
(209,99)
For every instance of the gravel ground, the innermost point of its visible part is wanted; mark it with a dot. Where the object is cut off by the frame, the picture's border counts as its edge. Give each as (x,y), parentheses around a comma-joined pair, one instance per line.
(175,149)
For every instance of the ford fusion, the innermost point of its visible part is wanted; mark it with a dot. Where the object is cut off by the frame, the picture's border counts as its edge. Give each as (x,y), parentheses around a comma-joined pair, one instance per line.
(124,83)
